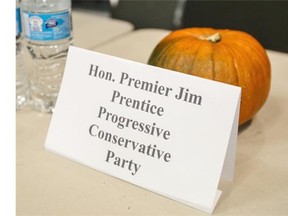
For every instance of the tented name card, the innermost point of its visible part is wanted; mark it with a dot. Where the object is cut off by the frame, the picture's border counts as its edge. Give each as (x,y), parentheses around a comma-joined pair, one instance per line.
(168,132)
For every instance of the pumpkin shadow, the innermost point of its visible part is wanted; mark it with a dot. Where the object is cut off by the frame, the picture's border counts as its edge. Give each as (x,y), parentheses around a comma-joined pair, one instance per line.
(244,126)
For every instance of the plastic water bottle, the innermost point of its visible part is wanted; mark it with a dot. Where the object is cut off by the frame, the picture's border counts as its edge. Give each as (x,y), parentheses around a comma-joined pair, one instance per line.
(48,32)
(22,88)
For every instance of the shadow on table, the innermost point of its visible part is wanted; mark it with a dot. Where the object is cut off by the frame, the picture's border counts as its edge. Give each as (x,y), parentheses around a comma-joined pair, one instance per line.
(244,126)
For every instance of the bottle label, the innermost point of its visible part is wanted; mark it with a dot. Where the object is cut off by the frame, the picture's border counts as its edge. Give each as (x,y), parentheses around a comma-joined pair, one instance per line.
(52,26)
(18,22)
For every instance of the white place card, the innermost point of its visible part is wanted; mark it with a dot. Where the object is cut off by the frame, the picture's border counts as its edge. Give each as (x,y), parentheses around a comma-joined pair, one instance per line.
(168,132)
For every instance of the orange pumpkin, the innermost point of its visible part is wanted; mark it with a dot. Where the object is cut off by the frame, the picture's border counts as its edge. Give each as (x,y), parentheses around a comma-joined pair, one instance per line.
(228,56)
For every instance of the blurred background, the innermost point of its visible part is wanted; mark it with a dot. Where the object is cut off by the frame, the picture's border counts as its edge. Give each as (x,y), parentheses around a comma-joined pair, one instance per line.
(265,20)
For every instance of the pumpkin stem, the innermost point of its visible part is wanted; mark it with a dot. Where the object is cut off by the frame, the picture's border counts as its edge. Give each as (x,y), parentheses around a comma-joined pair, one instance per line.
(212,38)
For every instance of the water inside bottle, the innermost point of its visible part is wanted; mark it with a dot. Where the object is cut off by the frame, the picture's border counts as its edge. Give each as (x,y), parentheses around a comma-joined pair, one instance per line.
(48,66)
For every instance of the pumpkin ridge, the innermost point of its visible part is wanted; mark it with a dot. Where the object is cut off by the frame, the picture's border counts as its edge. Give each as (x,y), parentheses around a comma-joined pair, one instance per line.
(246,40)
(253,91)
(234,63)
(260,55)
(195,55)
(164,50)
(156,56)
(179,41)
(239,77)
(262,58)
(212,60)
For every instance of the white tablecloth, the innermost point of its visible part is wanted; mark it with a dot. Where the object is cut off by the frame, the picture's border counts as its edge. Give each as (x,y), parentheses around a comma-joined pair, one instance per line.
(90,29)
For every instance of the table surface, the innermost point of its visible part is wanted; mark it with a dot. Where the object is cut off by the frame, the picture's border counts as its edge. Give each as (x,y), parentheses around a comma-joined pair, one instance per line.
(48,184)
(90,29)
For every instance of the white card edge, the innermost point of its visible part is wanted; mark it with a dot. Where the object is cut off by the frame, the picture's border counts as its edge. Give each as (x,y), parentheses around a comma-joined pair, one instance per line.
(206,209)
(230,157)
